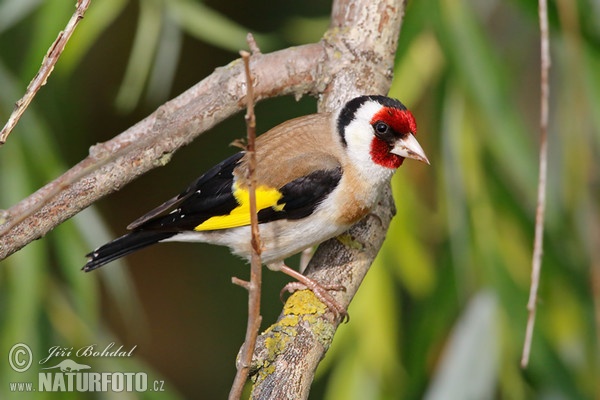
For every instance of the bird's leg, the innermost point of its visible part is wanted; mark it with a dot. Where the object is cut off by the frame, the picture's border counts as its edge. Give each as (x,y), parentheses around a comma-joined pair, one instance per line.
(305,257)
(320,290)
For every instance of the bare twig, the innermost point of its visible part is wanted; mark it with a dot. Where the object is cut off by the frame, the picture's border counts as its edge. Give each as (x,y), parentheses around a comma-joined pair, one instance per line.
(254,49)
(45,70)
(240,282)
(254,287)
(541,201)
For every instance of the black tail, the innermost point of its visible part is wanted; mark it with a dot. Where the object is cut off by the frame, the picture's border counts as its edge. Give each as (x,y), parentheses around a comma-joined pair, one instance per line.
(122,246)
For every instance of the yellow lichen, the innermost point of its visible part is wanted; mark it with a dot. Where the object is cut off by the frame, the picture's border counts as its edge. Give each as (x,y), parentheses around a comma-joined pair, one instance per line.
(304,302)
(163,159)
(289,320)
(302,306)
(275,344)
(263,372)
(323,330)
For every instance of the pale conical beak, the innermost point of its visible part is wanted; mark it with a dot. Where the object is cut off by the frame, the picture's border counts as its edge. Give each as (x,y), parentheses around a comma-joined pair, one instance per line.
(410,148)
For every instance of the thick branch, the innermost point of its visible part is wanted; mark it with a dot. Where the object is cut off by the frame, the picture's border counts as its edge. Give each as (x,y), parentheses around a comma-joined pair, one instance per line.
(287,353)
(150,143)
(364,37)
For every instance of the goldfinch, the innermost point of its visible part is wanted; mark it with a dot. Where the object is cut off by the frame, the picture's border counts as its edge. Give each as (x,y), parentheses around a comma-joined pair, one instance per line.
(316,175)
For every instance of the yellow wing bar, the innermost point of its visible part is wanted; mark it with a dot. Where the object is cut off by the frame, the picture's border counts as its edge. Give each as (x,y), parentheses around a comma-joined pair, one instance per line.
(240,216)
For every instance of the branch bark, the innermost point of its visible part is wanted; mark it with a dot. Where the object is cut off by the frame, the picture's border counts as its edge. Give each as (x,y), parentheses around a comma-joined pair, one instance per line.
(355,57)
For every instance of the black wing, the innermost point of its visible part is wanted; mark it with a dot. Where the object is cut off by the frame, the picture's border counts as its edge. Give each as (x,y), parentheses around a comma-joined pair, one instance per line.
(301,196)
(207,196)
(211,195)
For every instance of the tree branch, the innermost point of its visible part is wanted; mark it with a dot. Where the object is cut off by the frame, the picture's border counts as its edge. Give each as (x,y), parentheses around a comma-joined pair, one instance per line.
(536,262)
(151,142)
(46,69)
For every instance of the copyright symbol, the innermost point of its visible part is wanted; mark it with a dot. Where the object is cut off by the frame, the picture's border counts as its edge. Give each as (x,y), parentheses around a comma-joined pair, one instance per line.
(20,357)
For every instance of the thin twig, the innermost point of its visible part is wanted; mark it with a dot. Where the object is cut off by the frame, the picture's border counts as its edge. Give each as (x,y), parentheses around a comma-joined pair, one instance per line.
(541,201)
(254,318)
(45,70)
(240,282)
(254,49)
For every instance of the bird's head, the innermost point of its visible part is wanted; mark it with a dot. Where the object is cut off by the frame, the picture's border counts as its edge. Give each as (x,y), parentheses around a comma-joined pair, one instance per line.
(379,130)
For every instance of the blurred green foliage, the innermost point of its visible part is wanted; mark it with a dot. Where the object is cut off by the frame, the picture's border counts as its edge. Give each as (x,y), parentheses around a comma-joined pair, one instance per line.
(441,314)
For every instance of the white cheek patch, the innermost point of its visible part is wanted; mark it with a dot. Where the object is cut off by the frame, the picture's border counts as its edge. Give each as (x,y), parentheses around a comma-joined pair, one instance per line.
(359,138)
(359,133)
(358,141)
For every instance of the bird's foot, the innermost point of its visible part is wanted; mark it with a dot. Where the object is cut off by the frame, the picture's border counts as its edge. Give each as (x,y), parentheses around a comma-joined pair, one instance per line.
(321,291)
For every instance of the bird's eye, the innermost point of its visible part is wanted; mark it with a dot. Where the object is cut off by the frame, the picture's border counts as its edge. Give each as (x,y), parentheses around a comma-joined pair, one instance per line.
(381,128)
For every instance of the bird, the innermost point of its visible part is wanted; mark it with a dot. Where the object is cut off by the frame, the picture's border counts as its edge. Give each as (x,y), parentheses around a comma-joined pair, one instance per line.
(316,176)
